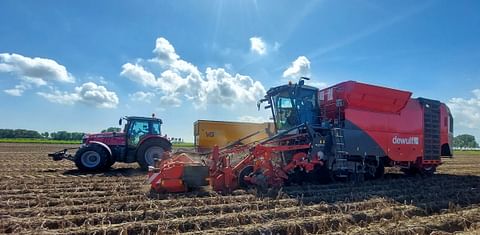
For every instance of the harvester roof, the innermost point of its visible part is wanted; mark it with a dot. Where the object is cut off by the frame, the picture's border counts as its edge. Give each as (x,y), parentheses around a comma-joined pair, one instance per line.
(278,89)
(367,97)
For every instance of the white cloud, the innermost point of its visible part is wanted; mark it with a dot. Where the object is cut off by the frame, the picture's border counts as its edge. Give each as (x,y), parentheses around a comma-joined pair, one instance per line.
(37,71)
(142,96)
(165,51)
(91,93)
(181,80)
(257,45)
(257,119)
(466,114)
(138,74)
(88,93)
(18,90)
(60,97)
(320,85)
(170,101)
(299,67)
(14,92)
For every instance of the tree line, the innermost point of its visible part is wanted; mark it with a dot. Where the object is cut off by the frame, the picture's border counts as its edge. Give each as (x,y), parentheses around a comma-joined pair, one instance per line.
(460,141)
(31,134)
(465,141)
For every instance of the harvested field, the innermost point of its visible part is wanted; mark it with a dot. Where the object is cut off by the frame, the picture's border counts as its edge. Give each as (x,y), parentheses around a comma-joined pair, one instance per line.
(39,195)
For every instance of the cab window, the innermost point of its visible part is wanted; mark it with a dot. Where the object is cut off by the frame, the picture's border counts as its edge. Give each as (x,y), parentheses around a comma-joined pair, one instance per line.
(138,130)
(156,128)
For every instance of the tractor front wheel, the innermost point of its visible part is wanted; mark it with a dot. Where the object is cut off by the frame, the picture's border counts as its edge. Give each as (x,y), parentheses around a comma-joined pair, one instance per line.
(91,158)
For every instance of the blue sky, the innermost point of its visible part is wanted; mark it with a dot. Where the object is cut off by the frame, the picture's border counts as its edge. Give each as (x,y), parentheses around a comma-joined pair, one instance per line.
(79,66)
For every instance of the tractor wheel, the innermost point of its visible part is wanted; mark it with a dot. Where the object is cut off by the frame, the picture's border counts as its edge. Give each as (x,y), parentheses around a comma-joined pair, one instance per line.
(150,150)
(91,158)
(244,172)
(110,162)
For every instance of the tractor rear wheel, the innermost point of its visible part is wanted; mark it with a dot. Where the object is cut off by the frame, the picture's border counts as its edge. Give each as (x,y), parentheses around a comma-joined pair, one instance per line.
(91,158)
(151,150)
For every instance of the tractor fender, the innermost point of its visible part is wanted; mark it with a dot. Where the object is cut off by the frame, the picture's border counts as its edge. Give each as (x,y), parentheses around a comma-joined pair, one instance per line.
(156,138)
(103,145)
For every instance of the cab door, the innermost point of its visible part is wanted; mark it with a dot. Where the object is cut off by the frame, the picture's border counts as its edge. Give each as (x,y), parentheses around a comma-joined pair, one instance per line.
(138,129)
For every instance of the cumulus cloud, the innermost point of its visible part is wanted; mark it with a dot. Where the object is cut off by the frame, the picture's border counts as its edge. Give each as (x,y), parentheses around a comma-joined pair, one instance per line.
(142,96)
(138,74)
(257,45)
(255,119)
(60,97)
(466,113)
(14,91)
(299,67)
(36,70)
(88,93)
(165,51)
(180,80)
(320,85)
(91,93)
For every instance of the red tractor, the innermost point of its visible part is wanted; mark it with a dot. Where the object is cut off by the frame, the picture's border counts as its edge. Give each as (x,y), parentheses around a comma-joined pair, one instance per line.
(141,141)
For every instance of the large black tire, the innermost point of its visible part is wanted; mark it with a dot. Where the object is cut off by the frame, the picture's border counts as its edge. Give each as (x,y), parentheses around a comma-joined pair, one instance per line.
(91,158)
(380,172)
(150,150)
(247,170)
(110,162)
(428,171)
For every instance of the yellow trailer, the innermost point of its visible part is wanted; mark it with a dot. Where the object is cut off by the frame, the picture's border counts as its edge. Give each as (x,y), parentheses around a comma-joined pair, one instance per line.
(208,133)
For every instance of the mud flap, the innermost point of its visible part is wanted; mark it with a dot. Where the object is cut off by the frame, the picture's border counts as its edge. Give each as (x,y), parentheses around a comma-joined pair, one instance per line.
(195,176)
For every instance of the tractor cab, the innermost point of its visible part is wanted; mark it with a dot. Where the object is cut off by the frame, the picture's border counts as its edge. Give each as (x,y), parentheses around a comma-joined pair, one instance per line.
(292,105)
(137,128)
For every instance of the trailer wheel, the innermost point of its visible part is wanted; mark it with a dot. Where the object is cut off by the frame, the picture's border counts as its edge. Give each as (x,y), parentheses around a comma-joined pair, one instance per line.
(91,158)
(150,150)
(428,171)
(244,172)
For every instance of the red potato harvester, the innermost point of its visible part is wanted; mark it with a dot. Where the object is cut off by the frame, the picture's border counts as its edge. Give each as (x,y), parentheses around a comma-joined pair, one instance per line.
(349,131)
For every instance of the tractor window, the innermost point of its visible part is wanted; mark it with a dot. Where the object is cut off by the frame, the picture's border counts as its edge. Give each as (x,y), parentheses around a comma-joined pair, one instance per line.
(286,116)
(156,128)
(138,129)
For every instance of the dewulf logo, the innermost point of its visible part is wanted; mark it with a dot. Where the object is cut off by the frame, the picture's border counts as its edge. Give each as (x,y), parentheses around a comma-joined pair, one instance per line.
(407,140)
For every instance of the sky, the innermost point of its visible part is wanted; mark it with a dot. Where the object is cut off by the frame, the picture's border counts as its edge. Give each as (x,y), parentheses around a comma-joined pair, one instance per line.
(81,65)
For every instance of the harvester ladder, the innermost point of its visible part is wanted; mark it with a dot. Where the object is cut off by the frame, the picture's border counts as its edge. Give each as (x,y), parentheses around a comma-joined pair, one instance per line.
(340,153)
(431,128)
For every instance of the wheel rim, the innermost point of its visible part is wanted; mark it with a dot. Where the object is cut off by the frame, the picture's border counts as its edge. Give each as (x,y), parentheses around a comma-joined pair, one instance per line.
(90,159)
(152,153)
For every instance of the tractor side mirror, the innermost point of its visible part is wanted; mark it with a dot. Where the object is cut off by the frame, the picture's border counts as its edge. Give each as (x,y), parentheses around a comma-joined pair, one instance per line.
(260,102)
(120,122)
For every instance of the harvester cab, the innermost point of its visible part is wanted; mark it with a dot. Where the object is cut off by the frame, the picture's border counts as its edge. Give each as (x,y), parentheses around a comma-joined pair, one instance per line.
(293,105)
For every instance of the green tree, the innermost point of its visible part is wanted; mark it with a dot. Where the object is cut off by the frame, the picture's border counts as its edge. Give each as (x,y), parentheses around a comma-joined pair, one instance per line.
(465,141)
(45,135)
(19,133)
(112,129)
